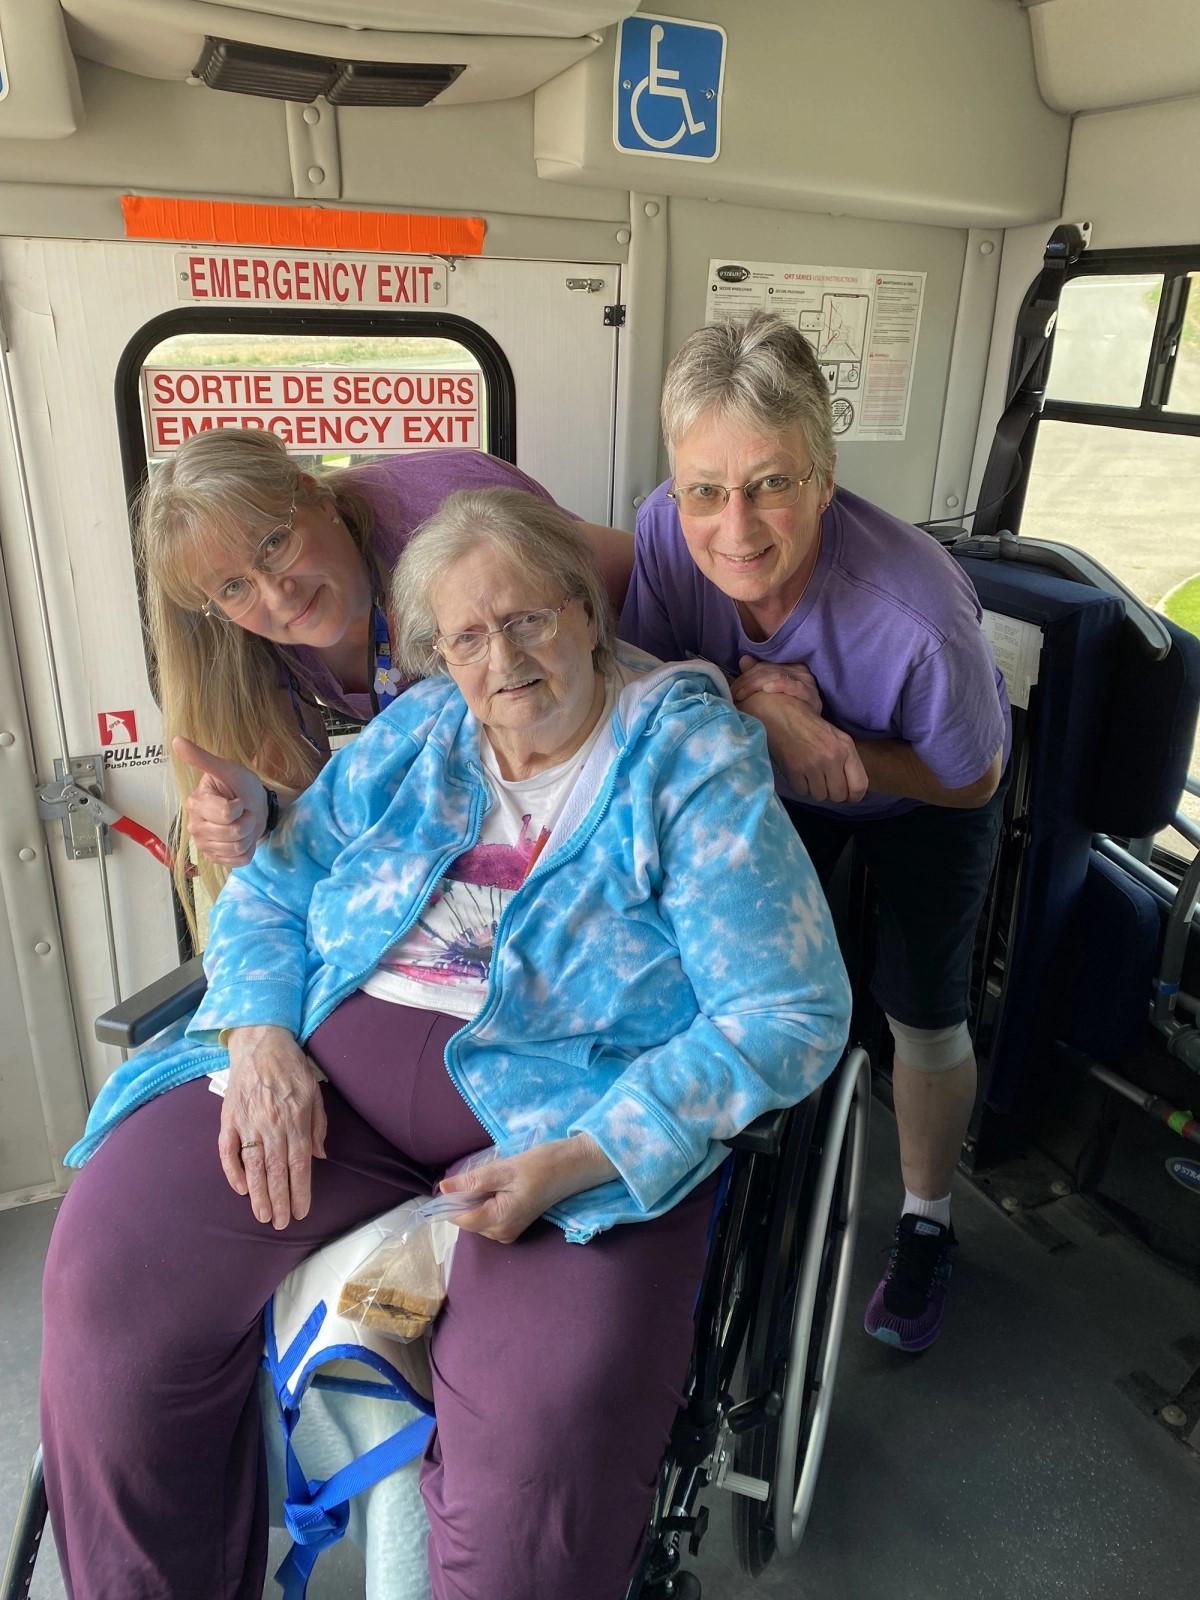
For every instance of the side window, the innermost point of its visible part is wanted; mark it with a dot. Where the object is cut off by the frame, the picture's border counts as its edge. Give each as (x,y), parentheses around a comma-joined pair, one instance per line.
(1116,465)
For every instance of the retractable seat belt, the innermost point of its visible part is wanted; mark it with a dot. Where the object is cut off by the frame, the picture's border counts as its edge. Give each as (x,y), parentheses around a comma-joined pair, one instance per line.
(1001,491)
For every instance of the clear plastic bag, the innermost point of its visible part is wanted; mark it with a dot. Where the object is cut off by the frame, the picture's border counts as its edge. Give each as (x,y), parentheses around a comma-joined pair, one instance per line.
(456,1205)
(401,1286)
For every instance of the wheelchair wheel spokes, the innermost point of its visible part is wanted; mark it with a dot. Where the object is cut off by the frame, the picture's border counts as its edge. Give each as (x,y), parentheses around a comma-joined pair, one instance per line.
(820,1311)
(768,1342)
(793,1350)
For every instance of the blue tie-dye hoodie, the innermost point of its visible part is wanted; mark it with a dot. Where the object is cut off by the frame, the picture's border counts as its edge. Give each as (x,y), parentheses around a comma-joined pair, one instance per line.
(667,972)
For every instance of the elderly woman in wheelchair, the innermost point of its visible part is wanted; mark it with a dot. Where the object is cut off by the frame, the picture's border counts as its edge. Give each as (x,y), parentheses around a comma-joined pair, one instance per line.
(549,888)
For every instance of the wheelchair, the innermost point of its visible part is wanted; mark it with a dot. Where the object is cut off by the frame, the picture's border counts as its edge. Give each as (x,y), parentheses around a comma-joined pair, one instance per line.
(769,1320)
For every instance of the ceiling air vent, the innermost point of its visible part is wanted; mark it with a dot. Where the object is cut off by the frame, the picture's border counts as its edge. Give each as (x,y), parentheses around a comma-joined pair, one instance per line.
(288,75)
(386,83)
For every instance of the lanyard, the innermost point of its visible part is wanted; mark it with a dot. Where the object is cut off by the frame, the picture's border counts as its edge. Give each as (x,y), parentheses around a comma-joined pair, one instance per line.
(386,683)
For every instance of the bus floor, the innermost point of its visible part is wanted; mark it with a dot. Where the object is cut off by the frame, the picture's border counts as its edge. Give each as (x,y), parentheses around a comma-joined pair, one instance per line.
(1004,1464)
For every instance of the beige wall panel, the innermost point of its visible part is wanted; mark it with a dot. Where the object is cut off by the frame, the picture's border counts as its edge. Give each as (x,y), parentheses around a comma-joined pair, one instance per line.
(898,476)
(1095,54)
(141,133)
(1135,175)
(465,158)
(928,112)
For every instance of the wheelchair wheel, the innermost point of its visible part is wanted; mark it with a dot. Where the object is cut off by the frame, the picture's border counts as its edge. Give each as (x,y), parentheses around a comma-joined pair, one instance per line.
(26,1536)
(794,1340)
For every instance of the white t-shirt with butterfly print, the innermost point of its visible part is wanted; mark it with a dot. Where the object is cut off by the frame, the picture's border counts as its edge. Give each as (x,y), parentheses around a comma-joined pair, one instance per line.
(442,962)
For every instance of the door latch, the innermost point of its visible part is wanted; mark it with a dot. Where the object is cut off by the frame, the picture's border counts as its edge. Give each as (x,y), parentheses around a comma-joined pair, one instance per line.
(76,799)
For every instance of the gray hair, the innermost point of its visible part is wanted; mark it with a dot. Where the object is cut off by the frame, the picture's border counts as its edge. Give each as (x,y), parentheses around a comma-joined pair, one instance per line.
(761,372)
(530,534)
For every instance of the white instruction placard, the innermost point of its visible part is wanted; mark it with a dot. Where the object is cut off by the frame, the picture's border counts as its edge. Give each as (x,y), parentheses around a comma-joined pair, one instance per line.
(1017,647)
(863,323)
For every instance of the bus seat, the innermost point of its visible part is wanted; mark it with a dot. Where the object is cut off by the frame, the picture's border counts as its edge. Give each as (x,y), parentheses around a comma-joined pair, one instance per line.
(1103,746)
(1110,962)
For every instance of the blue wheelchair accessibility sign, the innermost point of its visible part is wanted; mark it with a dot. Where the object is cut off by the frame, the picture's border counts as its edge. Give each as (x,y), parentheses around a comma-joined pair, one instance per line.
(667,95)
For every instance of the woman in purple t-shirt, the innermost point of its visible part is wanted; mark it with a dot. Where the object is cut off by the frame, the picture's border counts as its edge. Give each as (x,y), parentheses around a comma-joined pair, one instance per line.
(265,590)
(855,639)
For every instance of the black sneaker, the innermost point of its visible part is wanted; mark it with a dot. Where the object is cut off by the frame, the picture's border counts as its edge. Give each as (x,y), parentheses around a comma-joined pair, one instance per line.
(906,1309)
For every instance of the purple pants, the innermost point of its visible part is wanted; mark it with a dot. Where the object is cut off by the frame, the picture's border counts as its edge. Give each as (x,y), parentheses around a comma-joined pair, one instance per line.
(557,1367)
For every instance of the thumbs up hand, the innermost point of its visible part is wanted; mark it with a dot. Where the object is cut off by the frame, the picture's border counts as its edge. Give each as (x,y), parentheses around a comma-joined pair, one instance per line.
(227,810)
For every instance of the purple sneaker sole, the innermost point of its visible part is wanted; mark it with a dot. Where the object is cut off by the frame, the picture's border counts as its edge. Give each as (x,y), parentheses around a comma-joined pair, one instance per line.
(906,1333)
(906,1309)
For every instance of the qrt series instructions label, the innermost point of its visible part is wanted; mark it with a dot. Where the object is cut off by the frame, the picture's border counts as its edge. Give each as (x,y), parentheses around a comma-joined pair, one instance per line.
(862,322)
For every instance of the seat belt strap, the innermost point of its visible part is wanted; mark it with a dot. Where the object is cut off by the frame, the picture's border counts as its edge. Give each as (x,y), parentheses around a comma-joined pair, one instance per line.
(1027,384)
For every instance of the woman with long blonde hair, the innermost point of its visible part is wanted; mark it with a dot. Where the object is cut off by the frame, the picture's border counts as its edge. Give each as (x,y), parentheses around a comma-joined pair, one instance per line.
(266,593)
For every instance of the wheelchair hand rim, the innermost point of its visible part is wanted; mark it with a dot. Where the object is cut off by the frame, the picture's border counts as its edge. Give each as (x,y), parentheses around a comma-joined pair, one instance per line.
(853,1100)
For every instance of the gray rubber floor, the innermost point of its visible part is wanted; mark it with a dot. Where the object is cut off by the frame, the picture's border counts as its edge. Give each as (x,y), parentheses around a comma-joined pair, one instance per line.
(1005,1464)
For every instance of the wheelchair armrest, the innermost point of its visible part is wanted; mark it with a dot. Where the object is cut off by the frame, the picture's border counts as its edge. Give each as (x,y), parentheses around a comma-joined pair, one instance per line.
(151,1009)
(763,1136)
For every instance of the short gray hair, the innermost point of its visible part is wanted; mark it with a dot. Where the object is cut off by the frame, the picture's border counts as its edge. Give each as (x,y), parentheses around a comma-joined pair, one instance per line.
(761,372)
(530,534)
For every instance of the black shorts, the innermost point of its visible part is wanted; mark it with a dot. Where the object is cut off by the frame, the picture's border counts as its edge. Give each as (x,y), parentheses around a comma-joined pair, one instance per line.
(930,868)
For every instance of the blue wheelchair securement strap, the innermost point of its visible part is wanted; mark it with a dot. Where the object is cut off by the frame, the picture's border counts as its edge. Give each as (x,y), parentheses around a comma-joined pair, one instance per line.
(316,1511)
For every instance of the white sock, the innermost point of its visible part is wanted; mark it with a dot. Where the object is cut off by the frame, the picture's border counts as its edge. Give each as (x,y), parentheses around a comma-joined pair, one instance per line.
(935,1210)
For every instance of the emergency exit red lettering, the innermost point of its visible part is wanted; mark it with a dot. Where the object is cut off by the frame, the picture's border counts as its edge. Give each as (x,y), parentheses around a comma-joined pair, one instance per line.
(411,285)
(281,279)
(212,388)
(322,428)
(382,389)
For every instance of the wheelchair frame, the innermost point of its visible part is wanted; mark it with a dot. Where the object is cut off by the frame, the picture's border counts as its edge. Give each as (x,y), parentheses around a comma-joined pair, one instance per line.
(760,1387)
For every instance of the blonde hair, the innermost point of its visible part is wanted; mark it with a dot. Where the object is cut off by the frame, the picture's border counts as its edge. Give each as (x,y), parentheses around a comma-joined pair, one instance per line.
(532,535)
(217,683)
(761,372)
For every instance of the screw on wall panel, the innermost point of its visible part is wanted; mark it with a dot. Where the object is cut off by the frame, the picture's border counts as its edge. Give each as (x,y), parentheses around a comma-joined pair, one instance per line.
(1010,1203)
(1174,1416)
(1060,1188)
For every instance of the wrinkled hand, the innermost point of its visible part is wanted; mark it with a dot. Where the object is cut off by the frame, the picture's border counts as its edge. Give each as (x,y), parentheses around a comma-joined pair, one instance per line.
(772,677)
(272,1123)
(516,1191)
(227,810)
(819,761)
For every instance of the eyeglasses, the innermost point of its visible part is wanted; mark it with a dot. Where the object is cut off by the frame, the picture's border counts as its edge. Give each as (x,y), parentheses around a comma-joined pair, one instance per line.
(275,554)
(527,631)
(768,494)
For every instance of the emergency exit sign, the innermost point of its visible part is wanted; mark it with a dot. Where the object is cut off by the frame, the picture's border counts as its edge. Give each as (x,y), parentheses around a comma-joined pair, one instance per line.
(257,278)
(377,410)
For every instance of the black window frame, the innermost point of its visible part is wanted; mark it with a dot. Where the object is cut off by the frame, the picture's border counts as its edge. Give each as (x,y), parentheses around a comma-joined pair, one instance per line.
(1149,416)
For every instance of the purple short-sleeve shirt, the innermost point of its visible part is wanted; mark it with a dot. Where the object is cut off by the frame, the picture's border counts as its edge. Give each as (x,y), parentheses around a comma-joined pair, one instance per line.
(888,626)
(403,491)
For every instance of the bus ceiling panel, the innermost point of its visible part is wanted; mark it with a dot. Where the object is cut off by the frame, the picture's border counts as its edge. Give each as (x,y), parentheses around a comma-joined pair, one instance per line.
(1096,55)
(1134,175)
(558,19)
(39,83)
(167,39)
(928,113)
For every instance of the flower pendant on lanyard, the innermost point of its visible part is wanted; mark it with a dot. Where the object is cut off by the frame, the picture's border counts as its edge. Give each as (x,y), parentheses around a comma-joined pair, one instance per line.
(386,682)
